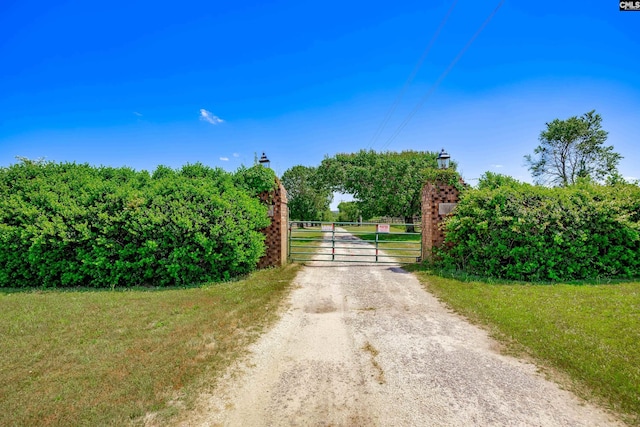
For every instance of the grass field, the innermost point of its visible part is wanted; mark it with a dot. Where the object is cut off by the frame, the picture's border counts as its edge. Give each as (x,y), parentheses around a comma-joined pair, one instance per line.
(88,357)
(404,247)
(309,240)
(588,333)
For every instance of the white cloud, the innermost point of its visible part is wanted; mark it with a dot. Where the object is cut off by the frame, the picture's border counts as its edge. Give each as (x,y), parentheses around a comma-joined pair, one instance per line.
(496,166)
(209,117)
(224,159)
(236,155)
(137,114)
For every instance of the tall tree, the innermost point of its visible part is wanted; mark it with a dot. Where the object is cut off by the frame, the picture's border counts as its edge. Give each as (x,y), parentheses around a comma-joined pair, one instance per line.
(386,183)
(348,212)
(572,149)
(309,198)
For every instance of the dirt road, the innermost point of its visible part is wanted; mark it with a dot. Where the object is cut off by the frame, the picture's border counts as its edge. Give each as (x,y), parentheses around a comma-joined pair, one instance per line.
(365,345)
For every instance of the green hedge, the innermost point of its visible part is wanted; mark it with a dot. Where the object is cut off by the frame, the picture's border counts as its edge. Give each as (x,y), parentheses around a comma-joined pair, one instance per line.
(506,229)
(67,224)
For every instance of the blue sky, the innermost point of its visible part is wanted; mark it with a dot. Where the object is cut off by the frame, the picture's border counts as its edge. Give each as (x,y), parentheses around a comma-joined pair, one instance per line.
(146,83)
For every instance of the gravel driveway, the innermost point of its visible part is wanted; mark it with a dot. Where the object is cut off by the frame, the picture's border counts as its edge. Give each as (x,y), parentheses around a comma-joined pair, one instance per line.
(366,345)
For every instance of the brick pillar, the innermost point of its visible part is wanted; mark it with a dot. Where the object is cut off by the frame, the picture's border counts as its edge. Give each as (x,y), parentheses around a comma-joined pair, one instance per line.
(438,200)
(276,233)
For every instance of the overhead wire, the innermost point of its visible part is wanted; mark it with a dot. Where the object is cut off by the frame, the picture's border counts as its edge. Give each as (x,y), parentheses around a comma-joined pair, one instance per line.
(409,80)
(441,77)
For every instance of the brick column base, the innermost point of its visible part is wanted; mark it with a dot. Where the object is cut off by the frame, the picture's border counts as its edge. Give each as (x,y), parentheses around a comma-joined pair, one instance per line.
(438,200)
(276,233)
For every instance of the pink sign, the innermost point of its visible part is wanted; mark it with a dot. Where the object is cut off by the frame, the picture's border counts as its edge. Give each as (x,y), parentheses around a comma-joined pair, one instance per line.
(383,228)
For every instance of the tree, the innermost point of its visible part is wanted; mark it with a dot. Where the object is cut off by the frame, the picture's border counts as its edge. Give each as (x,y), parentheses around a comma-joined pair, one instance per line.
(348,212)
(572,149)
(386,183)
(309,199)
(255,180)
(492,180)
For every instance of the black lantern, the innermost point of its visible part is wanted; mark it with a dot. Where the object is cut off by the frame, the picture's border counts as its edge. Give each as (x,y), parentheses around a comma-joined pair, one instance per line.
(443,159)
(264,161)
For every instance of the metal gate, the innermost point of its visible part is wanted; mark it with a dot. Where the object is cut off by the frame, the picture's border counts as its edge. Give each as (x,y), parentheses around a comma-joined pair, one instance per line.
(354,242)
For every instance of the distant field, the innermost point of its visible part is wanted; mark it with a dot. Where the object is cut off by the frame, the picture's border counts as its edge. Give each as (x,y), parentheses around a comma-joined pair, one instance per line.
(405,247)
(590,332)
(306,242)
(109,357)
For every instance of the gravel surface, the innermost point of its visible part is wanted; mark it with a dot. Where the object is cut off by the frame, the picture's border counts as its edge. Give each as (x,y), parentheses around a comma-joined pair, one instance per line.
(365,345)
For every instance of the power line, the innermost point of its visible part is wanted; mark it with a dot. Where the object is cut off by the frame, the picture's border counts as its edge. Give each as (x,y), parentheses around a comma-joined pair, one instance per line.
(441,78)
(416,68)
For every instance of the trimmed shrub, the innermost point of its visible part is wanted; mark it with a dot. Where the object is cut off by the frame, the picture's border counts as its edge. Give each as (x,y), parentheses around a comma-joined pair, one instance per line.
(67,224)
(511,230)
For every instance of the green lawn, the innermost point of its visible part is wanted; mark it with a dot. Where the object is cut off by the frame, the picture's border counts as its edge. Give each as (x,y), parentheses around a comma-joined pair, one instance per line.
(85,357)
(588,332)
(306,242)
(405,247)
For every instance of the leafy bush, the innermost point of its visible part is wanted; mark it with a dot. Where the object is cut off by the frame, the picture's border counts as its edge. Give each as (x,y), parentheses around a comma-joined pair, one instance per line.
(512,230)
(68,224)
(494,180)
(255,180)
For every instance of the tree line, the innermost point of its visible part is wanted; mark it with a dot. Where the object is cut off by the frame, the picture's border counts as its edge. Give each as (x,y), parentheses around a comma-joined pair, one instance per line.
(581,219)
(382,184)
(390,183)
